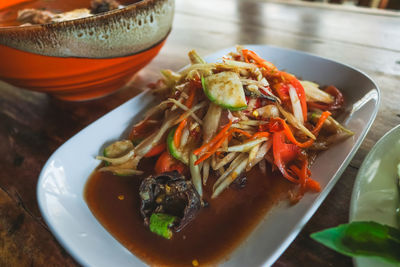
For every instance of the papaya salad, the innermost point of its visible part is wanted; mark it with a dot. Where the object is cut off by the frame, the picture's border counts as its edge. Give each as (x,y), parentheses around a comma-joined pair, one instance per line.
(222,119)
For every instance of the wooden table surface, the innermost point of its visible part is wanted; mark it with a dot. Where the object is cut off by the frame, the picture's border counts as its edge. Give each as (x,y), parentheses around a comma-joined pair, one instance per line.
(34,125)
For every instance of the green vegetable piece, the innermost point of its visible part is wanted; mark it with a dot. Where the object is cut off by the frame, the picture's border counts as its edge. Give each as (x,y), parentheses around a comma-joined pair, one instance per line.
(173,150)
(106,163)
(160,224)
(368,239)
(225,89)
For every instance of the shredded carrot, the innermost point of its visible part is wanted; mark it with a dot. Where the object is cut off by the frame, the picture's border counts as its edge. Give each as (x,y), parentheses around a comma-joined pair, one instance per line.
(178,133)
(302,183)
(236,130)
(320,122)
(217,141)
(313,185)
(259,134)
(248,54)
(303,172)
(299,173)
(212,150)
(182,124)
(190,100)
(290,136)
(315,131)
(245,53)
(307,183)
(204,148)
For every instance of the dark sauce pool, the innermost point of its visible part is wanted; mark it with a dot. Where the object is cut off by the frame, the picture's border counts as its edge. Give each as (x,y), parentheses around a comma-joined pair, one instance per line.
(216,231)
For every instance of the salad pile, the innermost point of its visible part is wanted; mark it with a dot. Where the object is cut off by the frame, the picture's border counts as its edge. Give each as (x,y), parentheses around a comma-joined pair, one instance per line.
(222,119)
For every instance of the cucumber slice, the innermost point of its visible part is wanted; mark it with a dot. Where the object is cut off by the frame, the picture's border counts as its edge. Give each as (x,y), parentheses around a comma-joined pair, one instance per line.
(225,89)
(173,150)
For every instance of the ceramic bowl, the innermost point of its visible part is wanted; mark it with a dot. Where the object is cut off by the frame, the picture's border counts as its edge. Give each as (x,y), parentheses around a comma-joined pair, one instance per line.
(83,58)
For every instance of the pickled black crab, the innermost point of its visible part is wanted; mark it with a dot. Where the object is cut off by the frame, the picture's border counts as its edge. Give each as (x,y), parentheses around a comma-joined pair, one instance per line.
(169,202)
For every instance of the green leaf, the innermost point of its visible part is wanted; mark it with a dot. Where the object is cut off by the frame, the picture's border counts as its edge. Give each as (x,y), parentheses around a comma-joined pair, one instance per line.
(368,239)
(160,224)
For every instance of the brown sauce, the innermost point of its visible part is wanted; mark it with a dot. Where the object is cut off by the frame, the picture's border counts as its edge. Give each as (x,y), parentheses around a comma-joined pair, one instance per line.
(216,231)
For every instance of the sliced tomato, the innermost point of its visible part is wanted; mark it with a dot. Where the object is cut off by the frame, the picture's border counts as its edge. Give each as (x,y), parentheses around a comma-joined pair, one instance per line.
(282,152)
(289,152)
(273,126)
(167,163)
(158,149)
(141,130)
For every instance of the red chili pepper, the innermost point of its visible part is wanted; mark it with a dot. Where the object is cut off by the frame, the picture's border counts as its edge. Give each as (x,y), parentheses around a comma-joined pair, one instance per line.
(158,149)
(137,130)
(141,130)
(282,153)
(317,105)
(274,126)
(306,182)
(282,90)
(259,135)
(290,136)
(167,163)
(299,90)
(336,104)
(289,152)
(269,67)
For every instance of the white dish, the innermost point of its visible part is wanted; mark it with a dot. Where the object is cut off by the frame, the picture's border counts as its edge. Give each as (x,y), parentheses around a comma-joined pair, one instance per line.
(62,180)
(375,193)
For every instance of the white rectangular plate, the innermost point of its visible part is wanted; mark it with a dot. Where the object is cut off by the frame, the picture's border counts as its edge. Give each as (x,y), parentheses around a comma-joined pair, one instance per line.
(61,183)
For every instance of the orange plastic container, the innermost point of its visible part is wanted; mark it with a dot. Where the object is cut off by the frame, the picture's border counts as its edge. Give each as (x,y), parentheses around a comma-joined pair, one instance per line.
(71,79)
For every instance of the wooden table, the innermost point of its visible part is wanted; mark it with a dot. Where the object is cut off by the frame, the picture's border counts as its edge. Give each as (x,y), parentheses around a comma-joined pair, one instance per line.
(33,125)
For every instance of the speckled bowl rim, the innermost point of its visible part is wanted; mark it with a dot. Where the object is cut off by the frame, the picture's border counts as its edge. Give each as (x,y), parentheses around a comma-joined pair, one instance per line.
(71,22)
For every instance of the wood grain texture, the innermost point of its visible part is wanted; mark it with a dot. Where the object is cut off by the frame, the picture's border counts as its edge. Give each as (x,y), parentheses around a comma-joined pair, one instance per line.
(33,125)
